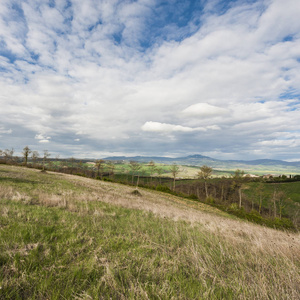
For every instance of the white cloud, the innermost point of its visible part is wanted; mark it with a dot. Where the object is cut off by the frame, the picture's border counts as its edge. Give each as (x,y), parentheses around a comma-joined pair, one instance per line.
(96,67)
(204,110)
(5,131)
(42,138)
(281,143)
(163,127)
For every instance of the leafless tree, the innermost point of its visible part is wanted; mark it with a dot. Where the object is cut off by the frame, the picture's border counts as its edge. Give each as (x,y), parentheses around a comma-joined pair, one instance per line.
(135,167)
(174,170)
(280,198)
(259,192)
(100,167)
(72,163)
(35,155)
(238,182)
(159,172)
(45,157)
(152,168)
(8,154)
(205,173)
(111,168)
(57,161)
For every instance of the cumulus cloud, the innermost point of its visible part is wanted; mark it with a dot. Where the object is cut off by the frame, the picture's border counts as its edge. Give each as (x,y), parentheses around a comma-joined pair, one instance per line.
(221,80)
(204,110)
(42,138)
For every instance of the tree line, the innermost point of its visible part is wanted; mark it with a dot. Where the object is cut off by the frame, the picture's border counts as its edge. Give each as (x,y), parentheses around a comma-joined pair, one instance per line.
(230,193)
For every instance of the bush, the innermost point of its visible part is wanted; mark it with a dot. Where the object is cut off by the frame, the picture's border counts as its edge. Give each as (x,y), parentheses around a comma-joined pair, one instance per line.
(107,179)
(193,197)
(162,188)
(283,223)
(210,200)
(233,206)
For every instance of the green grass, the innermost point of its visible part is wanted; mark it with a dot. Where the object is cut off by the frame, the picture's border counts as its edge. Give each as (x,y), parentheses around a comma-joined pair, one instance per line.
(87,249)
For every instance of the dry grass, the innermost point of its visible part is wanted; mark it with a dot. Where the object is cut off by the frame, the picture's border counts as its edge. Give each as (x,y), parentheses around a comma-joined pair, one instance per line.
(213,220)
(163,205)
(229,253)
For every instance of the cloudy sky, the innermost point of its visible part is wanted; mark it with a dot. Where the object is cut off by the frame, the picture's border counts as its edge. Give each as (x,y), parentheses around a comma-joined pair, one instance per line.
(149,77)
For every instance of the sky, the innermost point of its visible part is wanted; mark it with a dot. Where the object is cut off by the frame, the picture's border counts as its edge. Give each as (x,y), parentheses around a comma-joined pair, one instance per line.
(97,78)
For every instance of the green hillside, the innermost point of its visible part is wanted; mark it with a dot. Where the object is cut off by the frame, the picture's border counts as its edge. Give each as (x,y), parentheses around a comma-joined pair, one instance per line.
(69,237)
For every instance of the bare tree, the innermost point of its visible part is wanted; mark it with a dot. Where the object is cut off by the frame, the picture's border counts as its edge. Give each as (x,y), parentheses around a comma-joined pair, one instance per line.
(135,167)
(8,154)
(72,163)
(238,181)
(159,172)
(152,168)
(57,161)
(259,192)
(111,168)
(205,173)
(35,155)
(26,152)
(45,157)
(281,196)
(174,170)
(100,167)
(141,171)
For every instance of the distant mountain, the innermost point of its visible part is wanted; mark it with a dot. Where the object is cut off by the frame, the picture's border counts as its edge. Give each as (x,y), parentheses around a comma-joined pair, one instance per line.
(199,160)
(141,158)
(269,162)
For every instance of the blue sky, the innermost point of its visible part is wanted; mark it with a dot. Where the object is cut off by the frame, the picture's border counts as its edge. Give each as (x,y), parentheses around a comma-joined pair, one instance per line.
(95,78)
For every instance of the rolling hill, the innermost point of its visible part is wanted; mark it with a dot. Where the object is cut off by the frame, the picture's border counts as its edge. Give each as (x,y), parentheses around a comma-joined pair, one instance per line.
(261,166)
(64,236)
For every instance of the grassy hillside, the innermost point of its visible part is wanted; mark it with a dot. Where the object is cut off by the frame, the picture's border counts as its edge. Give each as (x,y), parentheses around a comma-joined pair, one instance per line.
(67,237)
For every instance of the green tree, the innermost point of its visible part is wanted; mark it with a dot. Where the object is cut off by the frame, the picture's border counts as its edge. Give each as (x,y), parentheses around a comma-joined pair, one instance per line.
(26,152)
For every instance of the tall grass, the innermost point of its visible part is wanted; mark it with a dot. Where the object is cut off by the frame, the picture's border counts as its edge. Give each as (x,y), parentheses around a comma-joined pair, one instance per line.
(92,240)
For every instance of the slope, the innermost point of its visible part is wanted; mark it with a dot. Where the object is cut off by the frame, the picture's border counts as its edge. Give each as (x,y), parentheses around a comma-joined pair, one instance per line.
(63,236)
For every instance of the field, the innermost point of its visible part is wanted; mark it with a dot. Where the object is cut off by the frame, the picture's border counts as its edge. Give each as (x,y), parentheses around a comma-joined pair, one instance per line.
(69,237)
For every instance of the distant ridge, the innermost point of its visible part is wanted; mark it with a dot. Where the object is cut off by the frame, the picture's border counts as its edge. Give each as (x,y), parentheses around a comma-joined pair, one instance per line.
(199,160)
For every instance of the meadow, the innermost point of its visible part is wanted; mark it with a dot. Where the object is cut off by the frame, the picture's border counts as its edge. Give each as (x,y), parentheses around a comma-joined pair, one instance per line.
(70,237)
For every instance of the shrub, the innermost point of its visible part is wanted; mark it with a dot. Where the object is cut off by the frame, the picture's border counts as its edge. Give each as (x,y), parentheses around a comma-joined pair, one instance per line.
(193,197)
(210,200)
(162,188)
